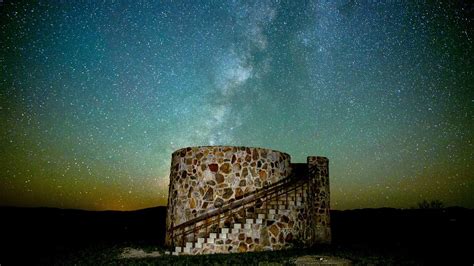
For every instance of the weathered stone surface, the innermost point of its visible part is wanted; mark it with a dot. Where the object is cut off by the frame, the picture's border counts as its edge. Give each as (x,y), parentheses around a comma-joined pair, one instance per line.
(245,172)
(242,247)
(281,225)
(281,239)
(248,240)
(218,202)
(213,167)
(228,192)
(263,175)
(220,178)
(238,193)
(192,203)
(274,230)
(225,168)
(209,196)
(248,158)
(255,154)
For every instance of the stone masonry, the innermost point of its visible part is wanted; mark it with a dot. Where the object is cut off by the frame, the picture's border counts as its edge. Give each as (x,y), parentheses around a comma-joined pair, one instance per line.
(207,178)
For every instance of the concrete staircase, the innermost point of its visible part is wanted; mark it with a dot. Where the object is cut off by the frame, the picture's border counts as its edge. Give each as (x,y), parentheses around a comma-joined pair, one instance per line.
(226,239)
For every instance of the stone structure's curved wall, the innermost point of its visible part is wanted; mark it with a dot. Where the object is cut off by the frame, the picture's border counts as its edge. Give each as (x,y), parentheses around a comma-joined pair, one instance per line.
(204,178)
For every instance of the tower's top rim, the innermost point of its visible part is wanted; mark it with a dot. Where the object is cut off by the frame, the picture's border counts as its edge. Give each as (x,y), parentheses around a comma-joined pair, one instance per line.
(237,148)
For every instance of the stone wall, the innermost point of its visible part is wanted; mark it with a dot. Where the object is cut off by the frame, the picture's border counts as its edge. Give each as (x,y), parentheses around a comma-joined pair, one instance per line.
(204,178)
(318,204)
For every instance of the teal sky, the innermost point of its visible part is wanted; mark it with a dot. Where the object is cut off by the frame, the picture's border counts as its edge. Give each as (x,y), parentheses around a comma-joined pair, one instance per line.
(94,97)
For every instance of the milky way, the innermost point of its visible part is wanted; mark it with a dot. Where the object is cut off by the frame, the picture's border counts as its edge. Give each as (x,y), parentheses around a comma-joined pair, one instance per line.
(96,95)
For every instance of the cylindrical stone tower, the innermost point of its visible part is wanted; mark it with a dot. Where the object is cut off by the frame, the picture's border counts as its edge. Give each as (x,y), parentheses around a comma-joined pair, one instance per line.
(205,178)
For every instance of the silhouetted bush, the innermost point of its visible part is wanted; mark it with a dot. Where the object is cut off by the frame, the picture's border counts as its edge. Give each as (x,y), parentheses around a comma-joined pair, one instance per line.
(434,204)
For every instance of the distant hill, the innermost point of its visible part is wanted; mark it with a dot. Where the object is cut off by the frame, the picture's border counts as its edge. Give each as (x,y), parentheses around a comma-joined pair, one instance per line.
(407,227)
(69,225)
(35,231)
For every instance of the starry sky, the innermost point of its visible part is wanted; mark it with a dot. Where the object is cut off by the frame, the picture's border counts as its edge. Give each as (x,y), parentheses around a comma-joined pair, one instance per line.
(96,95)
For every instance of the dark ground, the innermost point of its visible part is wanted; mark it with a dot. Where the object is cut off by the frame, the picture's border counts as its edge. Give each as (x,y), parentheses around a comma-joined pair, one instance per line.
(367,236)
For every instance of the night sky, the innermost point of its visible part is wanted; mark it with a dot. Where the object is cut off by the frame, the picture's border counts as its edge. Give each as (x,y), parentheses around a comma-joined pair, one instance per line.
(96,95)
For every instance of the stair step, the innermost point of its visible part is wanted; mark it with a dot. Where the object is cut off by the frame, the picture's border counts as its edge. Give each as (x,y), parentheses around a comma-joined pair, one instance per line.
(201,240)
(249,221)
(225,230)
(178,249)
(237,226)
(189,244)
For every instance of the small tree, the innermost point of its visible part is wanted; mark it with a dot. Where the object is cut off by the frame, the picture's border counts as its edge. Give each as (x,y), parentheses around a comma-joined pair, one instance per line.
(434,204)
(423,204)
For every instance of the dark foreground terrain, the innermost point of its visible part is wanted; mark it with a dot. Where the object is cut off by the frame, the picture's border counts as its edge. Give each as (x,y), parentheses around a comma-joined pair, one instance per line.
(369,236)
